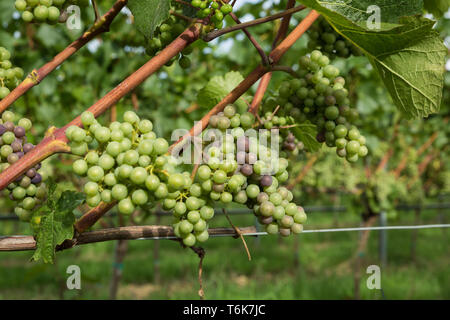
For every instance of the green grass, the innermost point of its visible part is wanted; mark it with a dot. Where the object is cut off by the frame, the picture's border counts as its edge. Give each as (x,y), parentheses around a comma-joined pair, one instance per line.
(323,270)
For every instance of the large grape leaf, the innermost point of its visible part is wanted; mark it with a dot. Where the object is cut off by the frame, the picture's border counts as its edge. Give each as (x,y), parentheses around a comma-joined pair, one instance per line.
(218,87)
(56,223)
(149,14)
(391,11)
(409,56)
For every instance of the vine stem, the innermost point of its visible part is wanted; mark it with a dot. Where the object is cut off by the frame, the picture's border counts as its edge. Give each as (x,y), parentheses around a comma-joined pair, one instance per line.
(36,76)
(214,34)
(56,140)
(22,243)
(265,80)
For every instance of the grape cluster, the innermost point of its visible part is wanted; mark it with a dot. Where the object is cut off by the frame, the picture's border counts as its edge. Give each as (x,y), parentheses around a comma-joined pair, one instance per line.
(319,96)
(40,10)
(241,167)
(324,37)
(124,162)
(28,189)
(215,10)
(9,76)
(165,34)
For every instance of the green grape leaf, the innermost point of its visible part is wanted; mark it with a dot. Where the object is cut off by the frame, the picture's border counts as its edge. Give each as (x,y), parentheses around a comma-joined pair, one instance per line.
(56,223)
(306,133)
(149,14)
(218,87)
(437,7)
(409,56)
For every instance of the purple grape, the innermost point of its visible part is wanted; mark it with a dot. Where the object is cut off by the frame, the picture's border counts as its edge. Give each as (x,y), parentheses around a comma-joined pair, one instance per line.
(262,196)
(285,232)
(267,220)
(290,137)
(27,147)
(31,172)
(266,181)
(9,126)
(219,187)
(240,157)
(321,137)
(20,154)
(19,132)
(19,179)
(11,196)
(247,170)
(2,129)
(38,166)
(36,179)
(16,145)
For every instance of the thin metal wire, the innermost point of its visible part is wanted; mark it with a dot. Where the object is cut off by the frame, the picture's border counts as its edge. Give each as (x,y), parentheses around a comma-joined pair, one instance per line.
(426,226)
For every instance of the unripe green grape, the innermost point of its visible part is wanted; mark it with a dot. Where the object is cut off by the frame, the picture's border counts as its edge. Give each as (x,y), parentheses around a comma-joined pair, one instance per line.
(267,208)
(145,126)
(138,175)
(53,13)
(152,182)
(206,213)
(41,13)
(125,171)
(131,157)
(139,197)
(102,134)
(291,209)
(184,62)
(20,5)
(272,228)
(161,191)
(195,190)
(8,137)
(91,188)
(113,148)
(192,203)
(297,228)
(126,128)
(202,236)
(180,209)
(352,157)
(78,134)
(352,147)
(126,206)
(25,123)
(106,196)
(19,193)
(95,173)
(110,179)
(160,146)
(27,16)
(226,197)
(220,176)
(80,167)
(130,117)
(193,217)
(363,151)
(186,227)
(78,148)
(189,240)
(87,118)
(119,192)
(3,92)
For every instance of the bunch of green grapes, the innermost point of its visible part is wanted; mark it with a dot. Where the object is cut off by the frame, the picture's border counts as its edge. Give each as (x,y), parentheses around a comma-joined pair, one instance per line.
(10,76)
(165,34)
(239,166)
(216,10)
(324,37)
(319,96)
(124,162)
(28,190)
(40,10)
